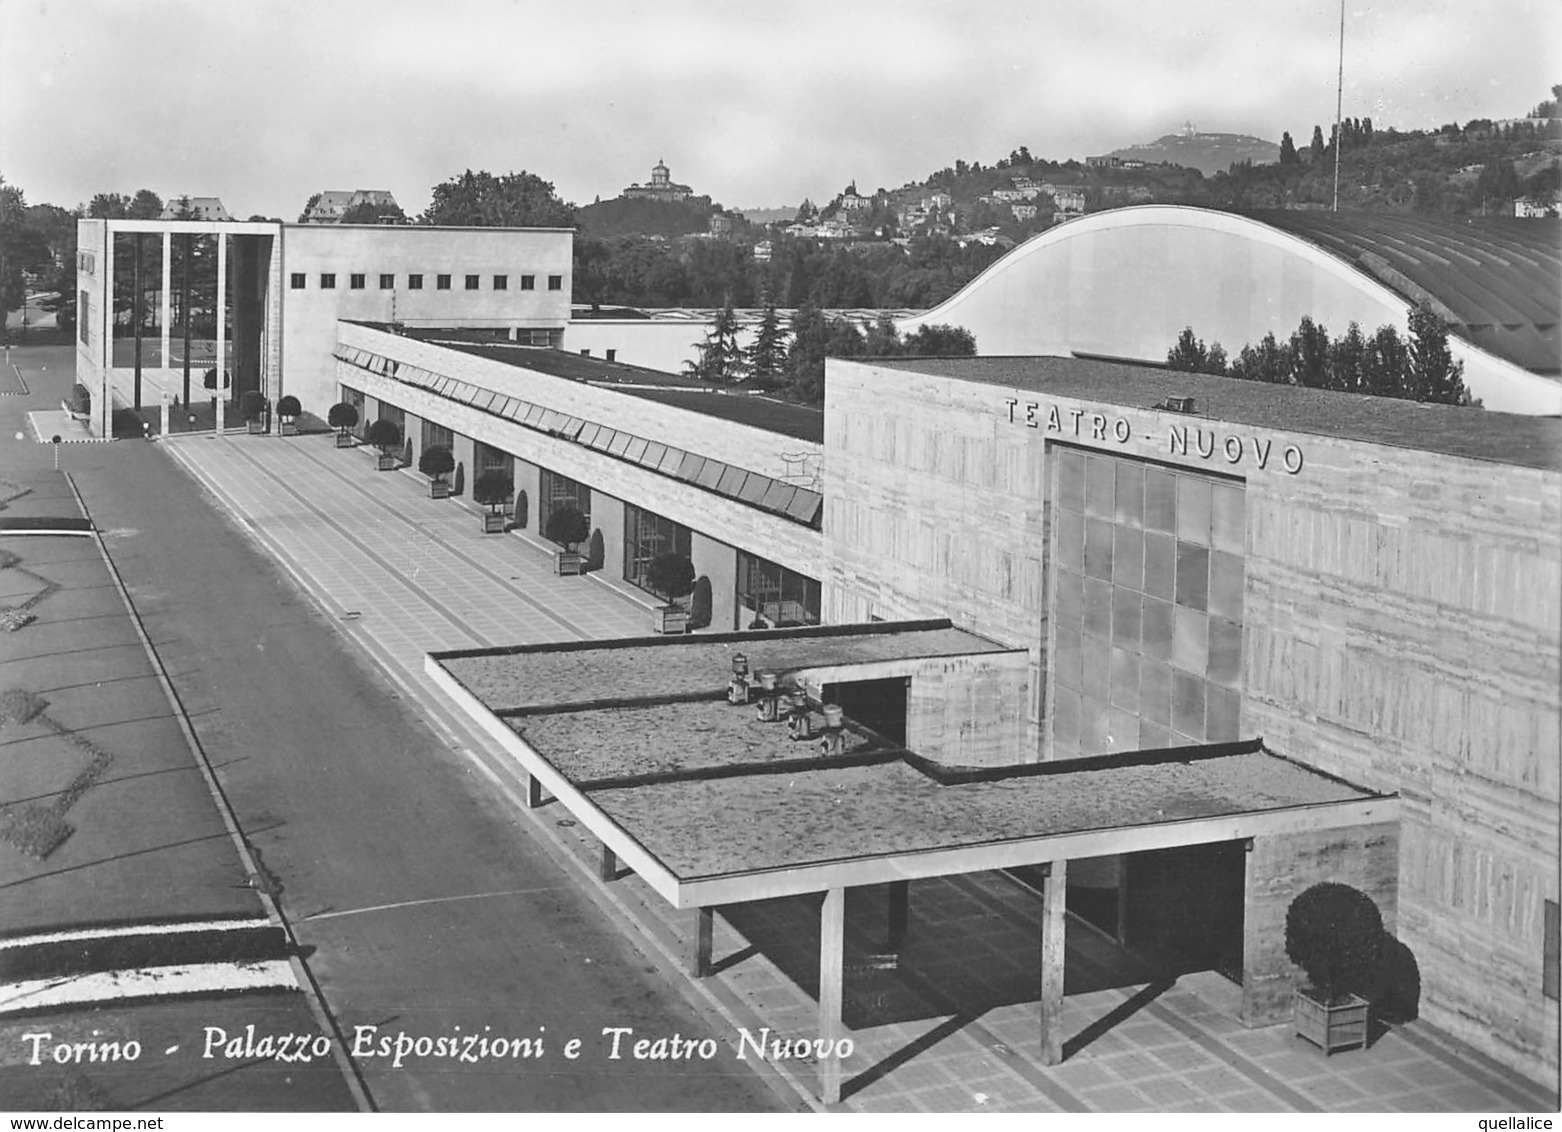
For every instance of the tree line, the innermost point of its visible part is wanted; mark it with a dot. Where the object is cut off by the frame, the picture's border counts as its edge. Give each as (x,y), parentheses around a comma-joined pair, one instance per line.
(1417,367)
(790,359)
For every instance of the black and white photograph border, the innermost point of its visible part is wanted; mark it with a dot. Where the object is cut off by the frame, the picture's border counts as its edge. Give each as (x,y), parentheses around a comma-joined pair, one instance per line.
(532,581)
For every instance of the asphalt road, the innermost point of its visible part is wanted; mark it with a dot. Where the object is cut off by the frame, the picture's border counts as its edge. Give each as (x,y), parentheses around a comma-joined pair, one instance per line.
(429,909)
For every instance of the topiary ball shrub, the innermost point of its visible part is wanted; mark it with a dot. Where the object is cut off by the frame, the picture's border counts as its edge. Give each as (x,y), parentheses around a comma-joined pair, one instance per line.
(343,415)
(437,461)
(1334,933)
(253,405)
(210,380)
(522,511)
(493,488)
(81,399)
(596,551)
(288,407)
(700,605)
(567,527)
(385,435)
(671,575)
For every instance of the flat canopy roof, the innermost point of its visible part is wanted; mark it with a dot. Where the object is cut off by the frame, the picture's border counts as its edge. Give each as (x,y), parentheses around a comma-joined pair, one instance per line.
(710,805)
(530,677)
(1478,434)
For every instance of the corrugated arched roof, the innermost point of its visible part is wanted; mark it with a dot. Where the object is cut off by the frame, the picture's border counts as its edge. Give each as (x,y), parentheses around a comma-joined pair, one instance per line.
(1498,280)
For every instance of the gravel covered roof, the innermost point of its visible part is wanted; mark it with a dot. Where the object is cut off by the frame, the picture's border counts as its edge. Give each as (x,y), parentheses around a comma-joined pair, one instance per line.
(591,745)
(550,676)
(710,827)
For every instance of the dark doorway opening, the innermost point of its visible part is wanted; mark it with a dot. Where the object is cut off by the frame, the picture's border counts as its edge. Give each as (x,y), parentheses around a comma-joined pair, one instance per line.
(879,704)
(1182,908)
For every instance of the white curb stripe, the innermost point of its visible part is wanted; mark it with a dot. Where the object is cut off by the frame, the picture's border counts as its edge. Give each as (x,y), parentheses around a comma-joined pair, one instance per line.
(146,982)
(134,930)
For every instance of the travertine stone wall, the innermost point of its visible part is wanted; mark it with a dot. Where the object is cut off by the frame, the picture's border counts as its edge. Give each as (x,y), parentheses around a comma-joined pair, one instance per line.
(1402,629)
(960,710)
(1282,866)
(1403,633)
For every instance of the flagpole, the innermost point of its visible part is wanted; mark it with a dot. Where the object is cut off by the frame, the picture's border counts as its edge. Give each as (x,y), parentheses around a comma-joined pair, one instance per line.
(1339,103)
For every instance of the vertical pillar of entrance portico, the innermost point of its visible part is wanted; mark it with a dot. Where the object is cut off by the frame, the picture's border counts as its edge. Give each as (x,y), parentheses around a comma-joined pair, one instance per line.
(832,942)
(222,323)
(103,403)
(704,939)
(168,304)
(1053,928)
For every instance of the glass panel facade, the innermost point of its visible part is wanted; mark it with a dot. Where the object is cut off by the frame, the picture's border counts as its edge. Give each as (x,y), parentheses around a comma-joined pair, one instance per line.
(646,535)
(1147,575)
(556,491)
(436,435)
(771,596)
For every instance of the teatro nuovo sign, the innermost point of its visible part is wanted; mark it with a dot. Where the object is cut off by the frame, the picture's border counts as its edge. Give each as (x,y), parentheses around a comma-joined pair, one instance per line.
(1187,440)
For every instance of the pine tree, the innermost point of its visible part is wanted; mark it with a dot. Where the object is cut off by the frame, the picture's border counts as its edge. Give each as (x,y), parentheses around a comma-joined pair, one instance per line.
(1288,155)
(1434,374)
(765,359)
(1385,363)
(720,360)
(1347,357)
(1310,355)
(1189,354)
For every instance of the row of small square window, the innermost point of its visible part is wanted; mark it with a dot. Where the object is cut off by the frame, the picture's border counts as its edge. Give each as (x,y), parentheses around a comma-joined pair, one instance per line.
(1195,508)
(1177,711)
(1202,646)
(358,281)
(1154,564)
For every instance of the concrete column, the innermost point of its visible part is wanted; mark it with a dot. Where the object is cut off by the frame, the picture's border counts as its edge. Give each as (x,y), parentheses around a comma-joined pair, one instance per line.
(533,792)
(704,935)
(222,319)
(103,396)
(607,868)
(899,913)
(168,301)
(1052,938)
(1122,898)
(832,939)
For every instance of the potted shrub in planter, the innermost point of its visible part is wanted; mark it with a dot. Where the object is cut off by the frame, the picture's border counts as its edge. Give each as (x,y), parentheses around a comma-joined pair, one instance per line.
(386,436)
(342,417)
(436,463)
(1334,933)
(671,576)
(253,406)
(288,409)
(492,489)
(568,527)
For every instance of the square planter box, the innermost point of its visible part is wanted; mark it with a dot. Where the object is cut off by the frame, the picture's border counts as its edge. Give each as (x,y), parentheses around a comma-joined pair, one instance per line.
(672,619)
(388,462)
(1341,1026)
(494,522)
(344,440)
(257,428)
(438,489)
(288,428)
(569,562)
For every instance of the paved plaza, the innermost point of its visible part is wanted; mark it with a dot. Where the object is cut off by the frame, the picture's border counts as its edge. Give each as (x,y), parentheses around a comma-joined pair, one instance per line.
(949,1024)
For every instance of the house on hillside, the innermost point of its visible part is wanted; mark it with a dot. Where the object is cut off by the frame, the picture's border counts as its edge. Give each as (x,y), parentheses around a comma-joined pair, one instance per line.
(200,208)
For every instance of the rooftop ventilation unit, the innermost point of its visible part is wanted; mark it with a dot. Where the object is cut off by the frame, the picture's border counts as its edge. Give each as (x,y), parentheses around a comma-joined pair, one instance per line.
(773,701)
(1178,405)
(833,741)
(738,686)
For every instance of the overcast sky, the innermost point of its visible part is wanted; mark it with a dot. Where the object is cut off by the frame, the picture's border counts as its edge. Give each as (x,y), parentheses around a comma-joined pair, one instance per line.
(263,102)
